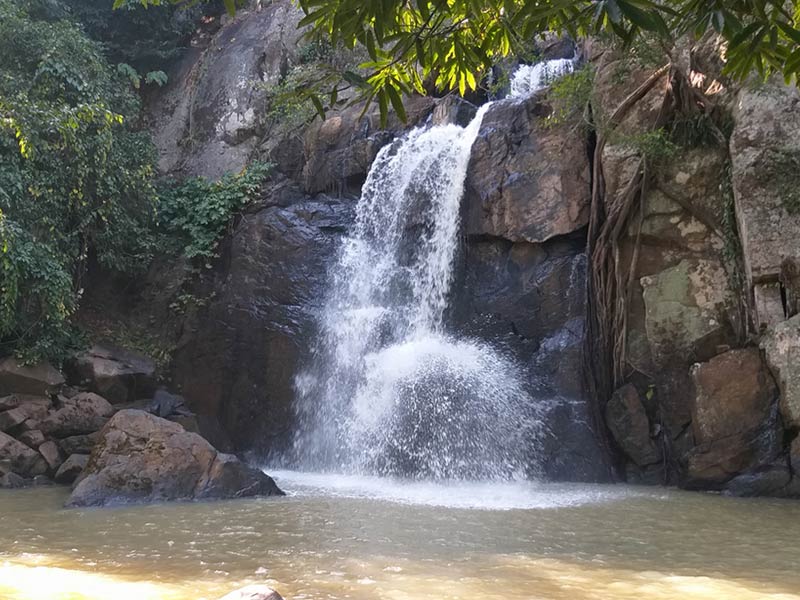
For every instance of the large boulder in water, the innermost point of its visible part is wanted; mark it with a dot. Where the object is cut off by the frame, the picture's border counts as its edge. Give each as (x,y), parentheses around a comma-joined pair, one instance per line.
(144,458)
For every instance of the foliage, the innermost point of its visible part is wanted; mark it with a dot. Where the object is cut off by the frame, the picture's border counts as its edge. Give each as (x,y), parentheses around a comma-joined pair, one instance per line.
(197,212)
(147,40)
(454,43)
(656,146)
(74,175)
(571,93)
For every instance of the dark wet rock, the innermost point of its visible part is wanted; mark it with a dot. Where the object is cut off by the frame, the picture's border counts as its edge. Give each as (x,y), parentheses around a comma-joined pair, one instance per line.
(188,422)
(41,481)
(526,182)
(165,404)
(22,460)
(627,419)
(253,592)
(32,438)
(769,481)
(237,361)
(38,380)
(339,150)
(117,374)
(51,454)
(79,444)
(71,468)
(144,458)
(11,481)
(85,413)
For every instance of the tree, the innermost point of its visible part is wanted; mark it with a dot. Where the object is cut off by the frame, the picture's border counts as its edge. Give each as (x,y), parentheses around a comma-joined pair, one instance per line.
(452,44)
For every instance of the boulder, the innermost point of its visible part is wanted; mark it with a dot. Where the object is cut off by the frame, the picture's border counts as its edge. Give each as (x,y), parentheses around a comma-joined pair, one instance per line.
(23,460)
(71,468)
(117,374)
(627,419)
(79,444)
(39,380)
(253,592)
(11,480)
(85,413)
(734,418)
(144,458)
(32,438)
(734,394)
(165,404)
(526,181)
(781,345)
(11,418)
(51,454)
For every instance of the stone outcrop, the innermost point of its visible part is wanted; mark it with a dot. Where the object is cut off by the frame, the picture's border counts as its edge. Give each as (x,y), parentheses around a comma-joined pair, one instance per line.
(144,458)
(117,374)
(764,148)
(23,461)
(36,380)
(212,114)
(527,181)
(71,468)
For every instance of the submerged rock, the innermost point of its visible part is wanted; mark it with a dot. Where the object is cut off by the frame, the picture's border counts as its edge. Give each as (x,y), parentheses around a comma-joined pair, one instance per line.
(253,592)
(143,458)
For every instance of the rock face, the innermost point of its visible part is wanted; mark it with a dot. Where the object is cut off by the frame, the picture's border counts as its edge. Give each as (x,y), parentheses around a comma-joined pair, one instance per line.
(210,119)
(764,146)
(238,364)
(781,345)
(527,182)
(36,380)
(144,458)
(23,460)
(117,374)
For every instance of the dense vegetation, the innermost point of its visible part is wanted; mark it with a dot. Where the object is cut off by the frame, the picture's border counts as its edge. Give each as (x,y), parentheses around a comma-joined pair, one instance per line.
(77,174)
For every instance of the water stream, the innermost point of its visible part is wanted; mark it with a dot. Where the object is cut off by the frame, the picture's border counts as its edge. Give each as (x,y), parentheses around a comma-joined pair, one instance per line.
(388,389)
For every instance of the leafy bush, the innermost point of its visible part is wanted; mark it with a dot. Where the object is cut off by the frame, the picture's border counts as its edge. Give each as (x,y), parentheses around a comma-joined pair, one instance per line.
(75,176)
(571,93)
(196,213)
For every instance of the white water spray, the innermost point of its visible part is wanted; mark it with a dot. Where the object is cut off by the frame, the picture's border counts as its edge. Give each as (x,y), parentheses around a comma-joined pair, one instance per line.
(388,391)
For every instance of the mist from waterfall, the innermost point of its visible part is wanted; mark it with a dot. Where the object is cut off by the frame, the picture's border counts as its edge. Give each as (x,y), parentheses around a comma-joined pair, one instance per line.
(388,390)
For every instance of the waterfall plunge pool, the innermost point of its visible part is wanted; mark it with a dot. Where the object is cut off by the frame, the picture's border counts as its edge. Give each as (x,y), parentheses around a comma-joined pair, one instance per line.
(340,537)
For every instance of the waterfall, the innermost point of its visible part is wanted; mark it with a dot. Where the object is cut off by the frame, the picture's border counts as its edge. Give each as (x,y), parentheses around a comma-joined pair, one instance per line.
(388,390)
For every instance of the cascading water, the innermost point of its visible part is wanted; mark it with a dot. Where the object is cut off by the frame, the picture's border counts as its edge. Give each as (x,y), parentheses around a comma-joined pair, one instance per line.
(388,390)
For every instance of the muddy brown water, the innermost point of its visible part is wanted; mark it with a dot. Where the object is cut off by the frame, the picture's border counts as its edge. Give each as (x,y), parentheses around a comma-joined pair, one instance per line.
(361,538)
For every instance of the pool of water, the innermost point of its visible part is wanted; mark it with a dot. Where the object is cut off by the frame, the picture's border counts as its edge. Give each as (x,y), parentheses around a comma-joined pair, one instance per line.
(362,538)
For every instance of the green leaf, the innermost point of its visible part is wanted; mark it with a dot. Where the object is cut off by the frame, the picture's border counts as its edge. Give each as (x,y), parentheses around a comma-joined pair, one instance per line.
(397,102)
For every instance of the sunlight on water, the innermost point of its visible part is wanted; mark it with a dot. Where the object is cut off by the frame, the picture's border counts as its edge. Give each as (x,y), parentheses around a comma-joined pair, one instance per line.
(373,539)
